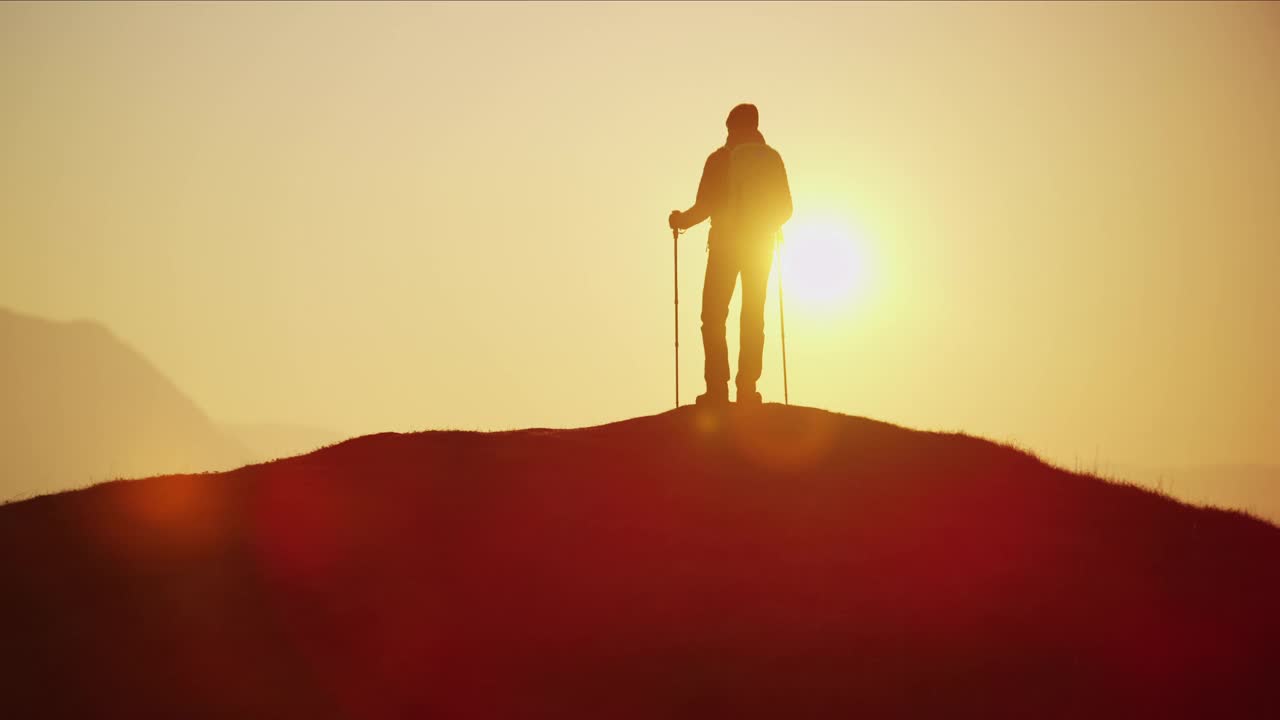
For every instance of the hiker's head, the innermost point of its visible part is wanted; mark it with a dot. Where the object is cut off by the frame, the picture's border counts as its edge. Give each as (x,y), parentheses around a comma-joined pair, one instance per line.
(743,118)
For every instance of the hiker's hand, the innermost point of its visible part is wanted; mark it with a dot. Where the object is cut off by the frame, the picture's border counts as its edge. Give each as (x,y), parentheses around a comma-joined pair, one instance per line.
(673,220)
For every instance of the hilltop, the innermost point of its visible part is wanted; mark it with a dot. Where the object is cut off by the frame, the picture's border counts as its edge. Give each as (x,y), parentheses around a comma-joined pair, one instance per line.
(786,562)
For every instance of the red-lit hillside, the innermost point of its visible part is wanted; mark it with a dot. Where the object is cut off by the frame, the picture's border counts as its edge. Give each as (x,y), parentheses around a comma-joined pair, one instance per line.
(786,563)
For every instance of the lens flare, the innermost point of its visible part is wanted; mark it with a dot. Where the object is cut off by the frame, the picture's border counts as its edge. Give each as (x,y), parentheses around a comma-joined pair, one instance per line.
(822,263)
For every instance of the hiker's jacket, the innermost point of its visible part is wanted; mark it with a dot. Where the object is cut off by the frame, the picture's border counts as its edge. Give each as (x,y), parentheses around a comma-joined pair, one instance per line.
(713,189)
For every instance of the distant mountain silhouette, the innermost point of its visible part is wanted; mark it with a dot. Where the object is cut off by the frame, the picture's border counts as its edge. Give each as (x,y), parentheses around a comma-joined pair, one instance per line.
(783,563)
(80,406)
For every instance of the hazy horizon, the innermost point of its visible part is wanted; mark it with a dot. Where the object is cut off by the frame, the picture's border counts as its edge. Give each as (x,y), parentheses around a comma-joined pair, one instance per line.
(1053,224)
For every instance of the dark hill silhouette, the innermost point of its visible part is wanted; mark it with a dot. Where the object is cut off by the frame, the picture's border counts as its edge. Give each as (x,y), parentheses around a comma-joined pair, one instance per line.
(80,406)
(786,563)
(269,441)
(1252,488)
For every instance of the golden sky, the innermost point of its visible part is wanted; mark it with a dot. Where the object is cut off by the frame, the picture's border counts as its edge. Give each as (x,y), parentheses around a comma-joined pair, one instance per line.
(1055,224)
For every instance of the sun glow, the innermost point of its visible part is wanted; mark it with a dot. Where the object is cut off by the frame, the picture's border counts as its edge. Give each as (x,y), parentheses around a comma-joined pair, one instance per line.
(823,266)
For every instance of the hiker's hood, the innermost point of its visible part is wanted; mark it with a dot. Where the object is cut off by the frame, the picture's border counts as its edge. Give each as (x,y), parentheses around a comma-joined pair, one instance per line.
(740,136)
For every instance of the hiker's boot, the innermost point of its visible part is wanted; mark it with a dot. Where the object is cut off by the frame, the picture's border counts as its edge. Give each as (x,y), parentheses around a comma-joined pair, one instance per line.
(749,396)
(716,395)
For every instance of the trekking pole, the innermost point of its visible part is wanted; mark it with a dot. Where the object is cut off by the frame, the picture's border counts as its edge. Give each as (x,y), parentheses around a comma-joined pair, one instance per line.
(675,254)
(782,318)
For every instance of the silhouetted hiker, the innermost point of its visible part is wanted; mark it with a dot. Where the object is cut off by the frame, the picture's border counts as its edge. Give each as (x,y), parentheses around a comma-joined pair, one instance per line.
(744,191)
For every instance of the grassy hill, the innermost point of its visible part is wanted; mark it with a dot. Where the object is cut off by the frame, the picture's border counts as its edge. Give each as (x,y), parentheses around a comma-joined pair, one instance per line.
(782,563)
(1253,488)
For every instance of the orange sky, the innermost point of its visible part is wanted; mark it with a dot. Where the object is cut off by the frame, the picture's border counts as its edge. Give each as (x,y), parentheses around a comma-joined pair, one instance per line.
(1051,224)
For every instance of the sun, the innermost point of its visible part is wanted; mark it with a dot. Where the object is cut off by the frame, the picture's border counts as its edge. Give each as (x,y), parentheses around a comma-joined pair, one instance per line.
(822,265)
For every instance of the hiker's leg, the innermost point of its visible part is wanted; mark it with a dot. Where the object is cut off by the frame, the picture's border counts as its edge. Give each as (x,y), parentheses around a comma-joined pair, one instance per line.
(756,260)
(717,290)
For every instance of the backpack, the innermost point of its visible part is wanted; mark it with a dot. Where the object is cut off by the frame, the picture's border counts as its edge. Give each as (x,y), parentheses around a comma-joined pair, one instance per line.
(759,199)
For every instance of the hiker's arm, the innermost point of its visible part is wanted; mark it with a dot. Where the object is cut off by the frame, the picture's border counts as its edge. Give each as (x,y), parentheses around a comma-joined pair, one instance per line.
(701,209)
(692,216)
